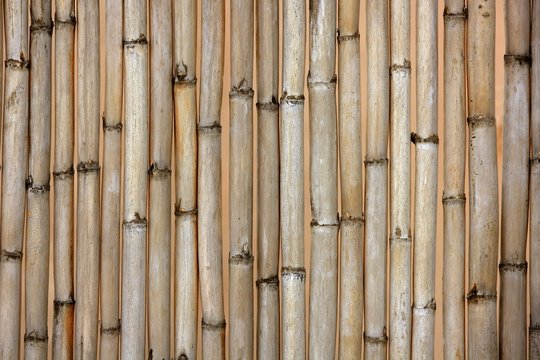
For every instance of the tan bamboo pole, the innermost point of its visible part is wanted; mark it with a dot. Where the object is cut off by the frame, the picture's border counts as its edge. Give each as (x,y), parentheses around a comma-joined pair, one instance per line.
(132,339)
(161,121)
(454,180)
(209,180)
(350,157)
(291,181)
(515,189)
(426,140)
(38,183)
(323,293)
(268,179)
(64,301)
(185,107)
(241,181)
(376,162)
(110,198)
(400,230)
(15,169)
(534,188)
(484,212)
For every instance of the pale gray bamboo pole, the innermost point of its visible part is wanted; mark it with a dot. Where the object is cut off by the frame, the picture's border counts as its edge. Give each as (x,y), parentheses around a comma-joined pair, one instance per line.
(241,181)
(185,104)
(291,181)
(426,140)
(161,122)
(400,227)
(268,179)
(136,112)
(515,189)
(38,183)
(534,187)
(454,180)
(64,300)
(14,174)
(323,288)
(209,180)
(350,157)
(483,184)
(376,162)
(110,198)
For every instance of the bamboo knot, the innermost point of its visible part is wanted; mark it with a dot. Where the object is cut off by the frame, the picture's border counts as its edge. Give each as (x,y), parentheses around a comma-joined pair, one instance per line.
(272,106)
(137,222)
(404,67)
(376,162)
(182,357)
(220,325)
(179,211)
(431,305)
(242,89)
(417,139)
(64,173)
(40,25)
(156,171)
(326,83)
(481,121)
(61,303)
(6,255)
(271,281)
(352,220)
(17,63)
(111,127)
(376,339)
(181,75)
(243,258)
(448,16)
(535,160)
(72,20)
(35,337)
(36,189)
(90,166)
(298,273)
(474,296)
(316,223)
(141,40)
(347,37)
(513,267)
(292,99)
(214,128)
(534,330)
(113,331)
(511,59)
(451,199)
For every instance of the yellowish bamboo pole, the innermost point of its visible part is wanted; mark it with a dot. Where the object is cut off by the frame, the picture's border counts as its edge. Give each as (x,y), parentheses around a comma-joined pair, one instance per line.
(38,183)
(15,170)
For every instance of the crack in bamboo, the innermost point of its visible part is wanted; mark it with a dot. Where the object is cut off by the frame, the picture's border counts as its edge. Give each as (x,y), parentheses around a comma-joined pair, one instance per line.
(89,166)
(35,337)
(513,267)
(417,139)
(7,255)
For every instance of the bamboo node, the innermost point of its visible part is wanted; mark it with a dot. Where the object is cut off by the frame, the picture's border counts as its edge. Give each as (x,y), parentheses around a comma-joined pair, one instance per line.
(481,121)
(271,281)
(90,166)
(220,325)
(141,40)
(347,37)
(404,67)
(182,357)
(450,199)
(17,64)
(181,75)
(61,303)
(156,171)
(315,223)
(137,221)
(474,296)
(292,272)
(35,337)
(214,128)
(448,16)
(244,257)
(292,99)
(513,267)
(431,305)
(242,89)
(111,127)
(534,330)
(352,220)
(535,160)
(72,20)
(15,255)
(113,331)
(326,83)
(376,162)
(40,25)
(179,211)
(36,189)
(417,139)
(64,173)
(510,59)
(272,106)
(376,339)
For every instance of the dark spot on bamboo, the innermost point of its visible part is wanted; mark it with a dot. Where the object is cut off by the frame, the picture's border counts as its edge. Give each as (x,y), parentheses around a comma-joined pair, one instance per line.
(315,223)
(214,128)
(513,267)
(42,26)
(516,59)
(19,64)
(155,170)
(182,357)
(330,83)
(7,255)
(141,40)
(376,162)
(292,99)
(35,337)
(242,89)
(535,160)
(244,257)
(112,331)
(268,106)
(475,296)
(271,281)
(352,220)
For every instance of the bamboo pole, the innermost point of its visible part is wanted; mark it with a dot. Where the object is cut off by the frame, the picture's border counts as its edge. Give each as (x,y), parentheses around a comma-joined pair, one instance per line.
(515,190)
(161,121)
(427,142)
(241,181)
(209,180)
(291,181)
(136,113)
(38,183)
(454,180)
(484,212)
(185,104)
(110,211)
(15,169)
(534,188)
(350,157)
(400,231)
(323,176)
(376,162)
(268,179)
(64,301)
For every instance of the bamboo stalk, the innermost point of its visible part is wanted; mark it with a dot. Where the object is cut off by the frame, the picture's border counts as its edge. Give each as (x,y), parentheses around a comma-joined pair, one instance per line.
(400,231)
(534,188)
(110,212)
(185,98)
(38,183)
(161,121)
(454,180)
(64,301)
(350,157)
(376,208)
(268,179)
(136,113)
(15,172)
(209,180)
(426,140)
(515,190)
(323,176)
(484,212)
(291,188)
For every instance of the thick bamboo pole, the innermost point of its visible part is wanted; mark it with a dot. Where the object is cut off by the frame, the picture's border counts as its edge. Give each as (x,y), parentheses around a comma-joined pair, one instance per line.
(400,230)
(350,156)
(376,162)
(64,301)
(268,179)
(323,175)
(291,181)
(110,198)
(427,143)
(38,183)
(515,190)
(241,181)
(136,113)
(161,122)
(209,180)
(454,180)
(484,212)
(14,174)
(185,108)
